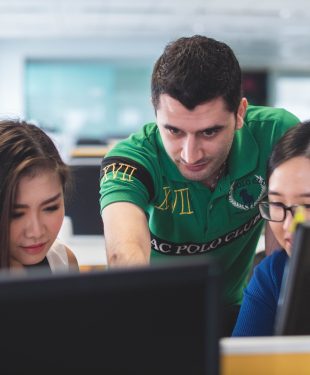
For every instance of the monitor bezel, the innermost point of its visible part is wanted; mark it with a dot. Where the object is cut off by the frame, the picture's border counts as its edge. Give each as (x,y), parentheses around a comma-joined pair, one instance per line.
(291,299)
(40,285)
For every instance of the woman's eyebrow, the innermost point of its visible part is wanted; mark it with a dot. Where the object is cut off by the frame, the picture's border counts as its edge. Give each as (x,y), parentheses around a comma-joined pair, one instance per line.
(49,200)
(52,199)
(303,195)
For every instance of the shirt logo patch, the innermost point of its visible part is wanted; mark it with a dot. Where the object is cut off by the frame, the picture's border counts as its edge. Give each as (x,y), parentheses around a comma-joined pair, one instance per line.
(246,193)
(176,200)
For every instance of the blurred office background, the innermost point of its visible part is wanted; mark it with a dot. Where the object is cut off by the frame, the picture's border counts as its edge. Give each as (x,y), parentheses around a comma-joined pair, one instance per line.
(81,68)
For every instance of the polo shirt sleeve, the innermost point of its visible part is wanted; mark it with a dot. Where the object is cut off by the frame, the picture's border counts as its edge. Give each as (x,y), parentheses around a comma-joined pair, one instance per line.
(131,171)
(124,180)
(258,309)
(285,121)
(270,122)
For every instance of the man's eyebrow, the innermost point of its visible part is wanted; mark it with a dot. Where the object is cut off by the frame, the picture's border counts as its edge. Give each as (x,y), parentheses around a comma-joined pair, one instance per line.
(47,201)
(211,128)
(168,126)
(214,127)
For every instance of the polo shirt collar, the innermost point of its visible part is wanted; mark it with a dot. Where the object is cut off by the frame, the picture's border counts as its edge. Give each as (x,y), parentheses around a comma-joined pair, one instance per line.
(243,156)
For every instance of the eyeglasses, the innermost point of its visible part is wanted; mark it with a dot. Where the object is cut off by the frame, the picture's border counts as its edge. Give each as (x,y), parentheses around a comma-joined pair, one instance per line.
(277,211)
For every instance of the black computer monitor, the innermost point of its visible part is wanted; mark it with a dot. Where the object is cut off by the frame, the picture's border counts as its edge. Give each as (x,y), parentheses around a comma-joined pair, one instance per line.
(293,312)
(82,205)
(142,321)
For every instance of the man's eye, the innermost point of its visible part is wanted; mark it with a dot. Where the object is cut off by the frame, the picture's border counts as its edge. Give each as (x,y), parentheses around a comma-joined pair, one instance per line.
(210,133)
(173,131)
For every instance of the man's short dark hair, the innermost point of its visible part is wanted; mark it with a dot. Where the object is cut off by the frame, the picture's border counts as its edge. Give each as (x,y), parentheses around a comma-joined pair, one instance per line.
(195,70)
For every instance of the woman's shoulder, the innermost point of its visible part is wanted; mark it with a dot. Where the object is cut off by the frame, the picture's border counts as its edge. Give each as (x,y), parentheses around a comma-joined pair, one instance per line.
(72,261)
(270,270)
(275,261)
(60,257)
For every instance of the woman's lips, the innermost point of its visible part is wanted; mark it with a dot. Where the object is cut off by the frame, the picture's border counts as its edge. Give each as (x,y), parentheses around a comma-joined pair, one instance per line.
(34,249)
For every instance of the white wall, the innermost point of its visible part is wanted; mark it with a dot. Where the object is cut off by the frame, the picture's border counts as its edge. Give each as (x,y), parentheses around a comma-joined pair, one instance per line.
(13,54)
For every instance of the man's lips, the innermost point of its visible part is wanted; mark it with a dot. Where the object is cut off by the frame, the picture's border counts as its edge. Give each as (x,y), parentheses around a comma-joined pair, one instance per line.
(194,167)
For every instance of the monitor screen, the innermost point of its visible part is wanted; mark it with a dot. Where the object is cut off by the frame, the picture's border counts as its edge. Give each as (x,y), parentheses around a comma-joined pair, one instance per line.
(293,316)
(155,320)
(83,203)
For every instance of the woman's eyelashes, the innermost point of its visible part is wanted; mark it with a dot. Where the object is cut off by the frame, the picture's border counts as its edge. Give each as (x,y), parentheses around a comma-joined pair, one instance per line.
(18,214)
(52,208)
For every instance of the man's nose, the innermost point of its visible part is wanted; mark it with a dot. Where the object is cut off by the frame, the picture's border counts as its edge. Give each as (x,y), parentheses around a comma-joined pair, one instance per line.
(191,150)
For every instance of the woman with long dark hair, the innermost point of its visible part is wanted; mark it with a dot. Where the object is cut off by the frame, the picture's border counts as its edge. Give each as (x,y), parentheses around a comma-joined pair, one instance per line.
(33,181)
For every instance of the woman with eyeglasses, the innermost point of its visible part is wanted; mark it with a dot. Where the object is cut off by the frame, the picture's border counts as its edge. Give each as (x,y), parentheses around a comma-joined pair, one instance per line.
(288,177)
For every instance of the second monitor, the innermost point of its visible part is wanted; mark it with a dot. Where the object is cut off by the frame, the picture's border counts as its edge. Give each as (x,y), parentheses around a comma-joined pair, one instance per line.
(157,320)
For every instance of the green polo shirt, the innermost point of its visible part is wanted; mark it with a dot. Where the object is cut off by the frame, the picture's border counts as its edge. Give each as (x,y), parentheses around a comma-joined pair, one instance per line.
(185,217)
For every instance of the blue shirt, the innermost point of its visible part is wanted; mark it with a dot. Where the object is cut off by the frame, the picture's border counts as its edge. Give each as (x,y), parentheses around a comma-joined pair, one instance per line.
(258,309)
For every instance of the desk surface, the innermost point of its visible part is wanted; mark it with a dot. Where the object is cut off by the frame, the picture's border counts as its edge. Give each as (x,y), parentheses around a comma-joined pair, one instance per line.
(88,249)
(89,151)
(276,355)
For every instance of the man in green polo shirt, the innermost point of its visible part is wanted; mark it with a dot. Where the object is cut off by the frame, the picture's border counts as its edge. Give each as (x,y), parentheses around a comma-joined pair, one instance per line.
(188,186)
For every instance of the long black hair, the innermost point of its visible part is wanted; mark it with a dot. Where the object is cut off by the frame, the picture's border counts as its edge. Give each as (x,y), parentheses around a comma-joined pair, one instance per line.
(25,149)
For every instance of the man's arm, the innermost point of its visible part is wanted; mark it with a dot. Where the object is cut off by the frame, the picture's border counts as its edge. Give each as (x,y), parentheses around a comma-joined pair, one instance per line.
(127,235)
(270,241)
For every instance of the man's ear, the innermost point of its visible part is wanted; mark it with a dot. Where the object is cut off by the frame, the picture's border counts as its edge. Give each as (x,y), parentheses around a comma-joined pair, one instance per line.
(241,113)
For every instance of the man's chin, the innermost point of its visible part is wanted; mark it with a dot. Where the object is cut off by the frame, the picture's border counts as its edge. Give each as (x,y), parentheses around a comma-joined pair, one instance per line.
(192,176)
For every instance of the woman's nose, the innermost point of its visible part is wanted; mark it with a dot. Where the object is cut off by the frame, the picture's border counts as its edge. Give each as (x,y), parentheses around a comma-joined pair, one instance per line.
(287,223)
(34,227)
